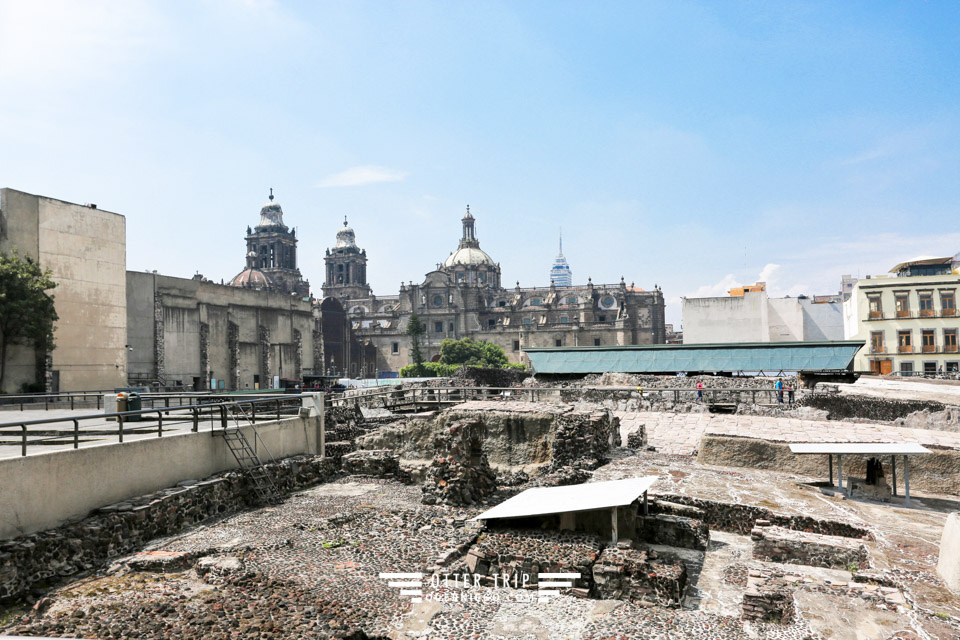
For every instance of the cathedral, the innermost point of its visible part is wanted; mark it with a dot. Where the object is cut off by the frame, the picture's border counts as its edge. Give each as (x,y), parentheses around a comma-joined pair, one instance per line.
(462,298)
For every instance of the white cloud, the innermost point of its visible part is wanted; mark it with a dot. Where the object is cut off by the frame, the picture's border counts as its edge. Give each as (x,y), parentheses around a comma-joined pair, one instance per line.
(769,273)
(367,174)
(716,290)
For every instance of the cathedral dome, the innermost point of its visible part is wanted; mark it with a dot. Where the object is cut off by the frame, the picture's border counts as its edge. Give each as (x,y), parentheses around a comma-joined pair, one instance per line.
(469,256)
(251,278)
(346,237)
(271,215)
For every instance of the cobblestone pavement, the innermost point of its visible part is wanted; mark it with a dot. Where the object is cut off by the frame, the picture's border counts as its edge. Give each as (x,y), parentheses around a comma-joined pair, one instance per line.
(680,433)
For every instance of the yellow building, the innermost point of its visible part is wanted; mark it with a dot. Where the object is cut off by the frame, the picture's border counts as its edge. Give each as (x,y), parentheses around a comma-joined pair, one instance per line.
(738,292)
(909,323)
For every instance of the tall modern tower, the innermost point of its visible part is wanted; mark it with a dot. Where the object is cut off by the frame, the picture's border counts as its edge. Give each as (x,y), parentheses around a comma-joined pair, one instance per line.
(560,274)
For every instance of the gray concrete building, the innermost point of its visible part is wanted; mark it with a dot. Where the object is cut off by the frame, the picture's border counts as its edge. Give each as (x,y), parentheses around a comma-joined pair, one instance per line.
(84,247)
(463,297)
(756,317)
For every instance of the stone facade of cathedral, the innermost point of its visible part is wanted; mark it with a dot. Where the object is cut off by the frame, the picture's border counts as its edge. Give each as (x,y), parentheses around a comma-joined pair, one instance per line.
(464,298)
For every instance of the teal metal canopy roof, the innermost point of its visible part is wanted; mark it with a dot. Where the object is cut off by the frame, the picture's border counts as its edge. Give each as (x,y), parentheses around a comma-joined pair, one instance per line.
(671,358)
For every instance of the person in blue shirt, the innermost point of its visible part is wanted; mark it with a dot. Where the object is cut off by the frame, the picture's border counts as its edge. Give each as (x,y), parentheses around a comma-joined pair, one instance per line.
(779,388)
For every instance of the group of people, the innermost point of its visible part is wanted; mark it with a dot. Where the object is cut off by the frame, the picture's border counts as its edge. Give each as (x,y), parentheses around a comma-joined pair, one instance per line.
(789,387)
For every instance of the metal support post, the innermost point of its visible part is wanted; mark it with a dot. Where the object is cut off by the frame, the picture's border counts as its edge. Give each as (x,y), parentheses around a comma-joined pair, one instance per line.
(840,471)
(906,481)
(893,471)
(830,465)
(76,434)
(613,526)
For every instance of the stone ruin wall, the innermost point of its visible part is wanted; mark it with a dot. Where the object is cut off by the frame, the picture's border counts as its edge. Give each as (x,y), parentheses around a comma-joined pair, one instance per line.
(27,562)
(534,437)
(777,544)
(741,518)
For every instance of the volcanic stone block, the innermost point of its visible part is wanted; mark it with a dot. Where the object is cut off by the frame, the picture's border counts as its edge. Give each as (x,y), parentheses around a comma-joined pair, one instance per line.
(380,463)
(675,531)
(623,573)
(777,544)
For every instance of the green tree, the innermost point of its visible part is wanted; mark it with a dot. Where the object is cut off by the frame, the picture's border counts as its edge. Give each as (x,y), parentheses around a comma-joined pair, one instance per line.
(415,329)
(27,312)
(472,352)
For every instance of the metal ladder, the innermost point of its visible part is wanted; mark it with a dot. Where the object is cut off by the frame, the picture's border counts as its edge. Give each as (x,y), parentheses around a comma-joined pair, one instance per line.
(249,461)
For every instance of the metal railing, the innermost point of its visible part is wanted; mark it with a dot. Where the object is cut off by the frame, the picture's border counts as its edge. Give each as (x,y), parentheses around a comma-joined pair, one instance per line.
(95,399)
(26,433)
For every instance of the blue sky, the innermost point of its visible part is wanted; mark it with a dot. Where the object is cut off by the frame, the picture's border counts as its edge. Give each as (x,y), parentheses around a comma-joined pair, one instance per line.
(690,145)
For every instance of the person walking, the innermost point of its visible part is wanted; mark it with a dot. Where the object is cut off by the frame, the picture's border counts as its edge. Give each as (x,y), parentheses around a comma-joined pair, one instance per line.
(699,390)
(791,390)
(779,387)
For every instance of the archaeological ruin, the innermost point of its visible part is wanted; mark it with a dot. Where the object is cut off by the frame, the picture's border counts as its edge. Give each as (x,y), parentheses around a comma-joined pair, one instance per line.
(455,508)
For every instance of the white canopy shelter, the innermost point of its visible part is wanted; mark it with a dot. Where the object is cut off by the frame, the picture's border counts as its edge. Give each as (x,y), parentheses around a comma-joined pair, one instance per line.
(578,497)
(840,449)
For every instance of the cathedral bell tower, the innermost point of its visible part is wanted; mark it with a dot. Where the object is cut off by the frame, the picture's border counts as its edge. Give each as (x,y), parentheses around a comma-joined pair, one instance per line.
(271,260)
(346,266)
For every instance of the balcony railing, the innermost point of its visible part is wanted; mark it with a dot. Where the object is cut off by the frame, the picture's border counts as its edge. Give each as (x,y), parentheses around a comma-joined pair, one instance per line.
(878,349)
(905,348)
(929,348)
(876,315)
(903,313)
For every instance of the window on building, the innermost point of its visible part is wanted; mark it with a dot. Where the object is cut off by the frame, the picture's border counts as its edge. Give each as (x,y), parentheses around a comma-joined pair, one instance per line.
(558,342)
(902,304)
(950,340)
(906,368)
(535,302)
(459,277)
(596,342)
(482,276)
(516,345)
(527,321)
(564,319)
(876,341)
(501,303)
(948,303)
(601,318)
(451,327)
(438,327)
(928,340)
(491,323)
(571,300)
(929,368)
(952,366)
(395,347)
(438,301)
(876,308)
(925,300)
(904,342)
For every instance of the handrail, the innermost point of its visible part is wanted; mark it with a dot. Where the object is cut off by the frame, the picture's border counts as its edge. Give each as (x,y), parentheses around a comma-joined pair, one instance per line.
(192,412)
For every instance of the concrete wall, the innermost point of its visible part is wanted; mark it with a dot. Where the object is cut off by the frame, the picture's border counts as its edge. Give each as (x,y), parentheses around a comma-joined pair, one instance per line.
(948,566)
(45,490)
(176,351)
(728,319)
(85,249)
(755,317)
